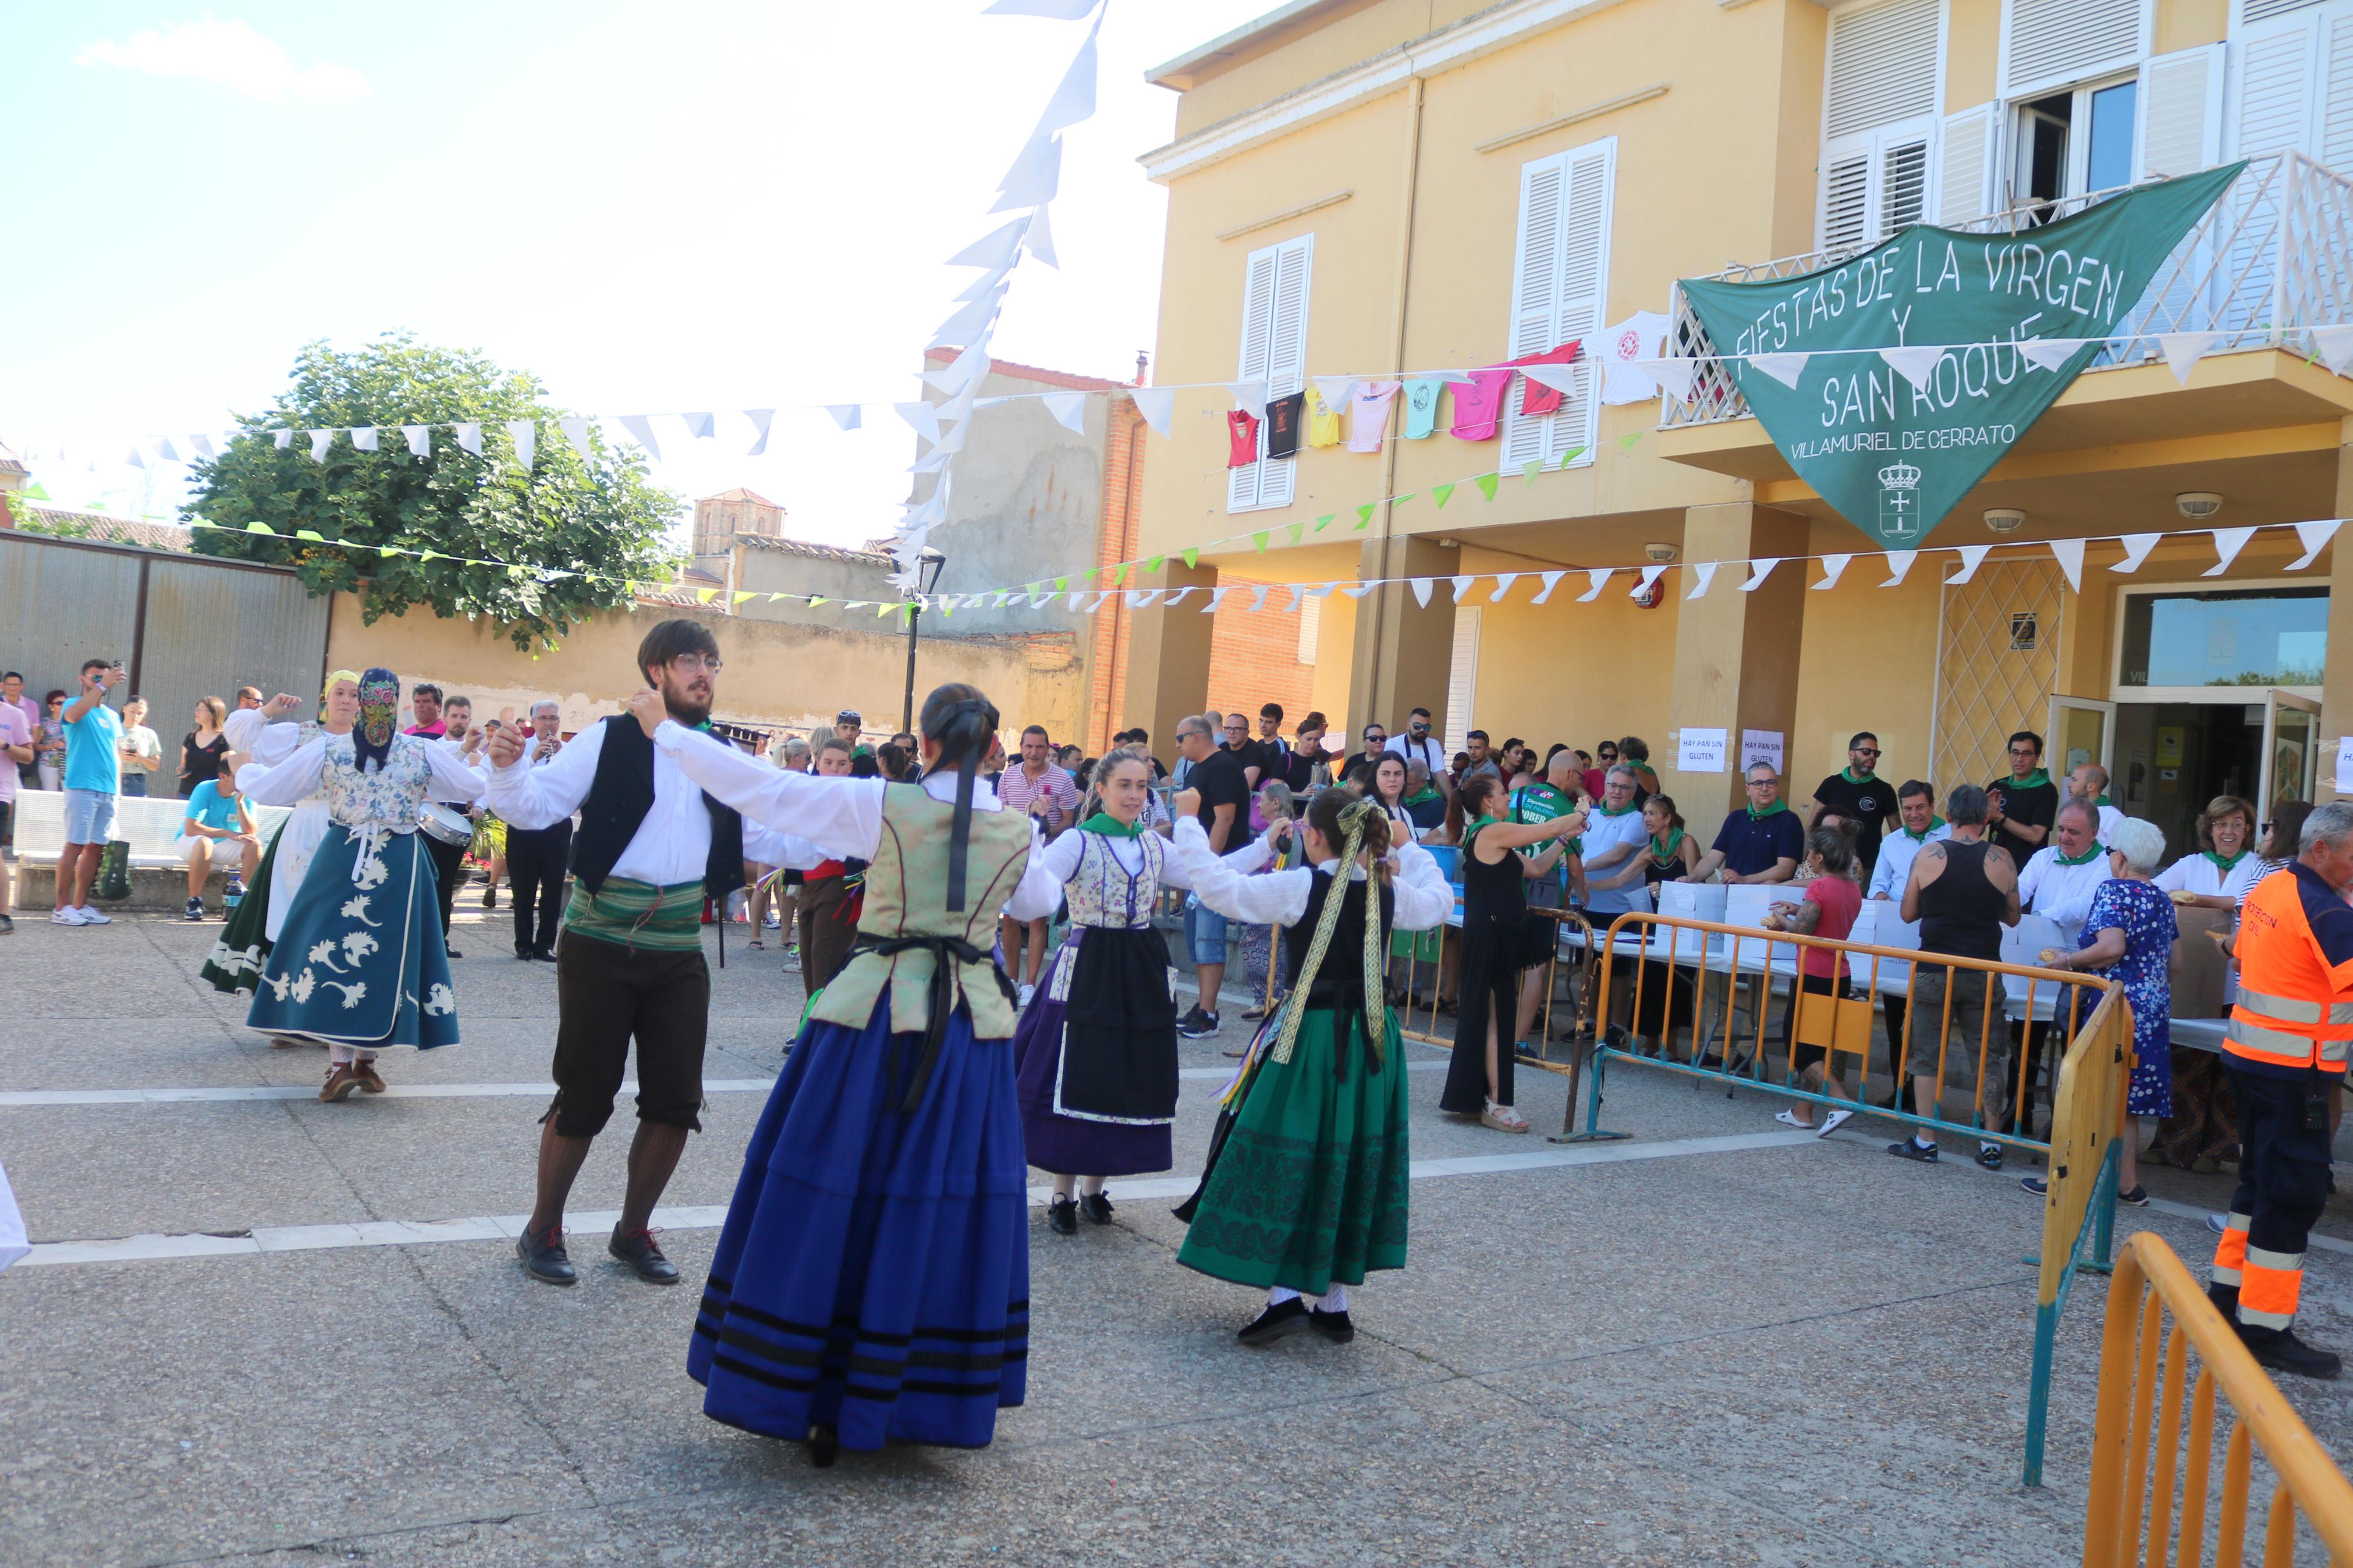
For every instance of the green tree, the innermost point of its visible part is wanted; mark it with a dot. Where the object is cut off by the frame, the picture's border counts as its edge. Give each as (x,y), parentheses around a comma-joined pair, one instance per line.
(570,534)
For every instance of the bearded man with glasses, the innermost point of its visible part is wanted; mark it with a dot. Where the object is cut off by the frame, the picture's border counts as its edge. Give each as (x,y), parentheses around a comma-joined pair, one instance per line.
(1858,793)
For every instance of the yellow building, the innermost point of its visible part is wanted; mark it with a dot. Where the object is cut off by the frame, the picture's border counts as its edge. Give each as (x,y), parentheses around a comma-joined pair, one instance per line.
(1381,187)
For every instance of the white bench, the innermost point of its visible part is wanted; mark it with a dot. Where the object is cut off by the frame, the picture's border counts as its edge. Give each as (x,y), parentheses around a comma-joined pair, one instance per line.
(148,824)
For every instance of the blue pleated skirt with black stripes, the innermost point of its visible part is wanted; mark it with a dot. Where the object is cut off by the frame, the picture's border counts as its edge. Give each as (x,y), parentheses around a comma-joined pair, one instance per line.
(873,1275)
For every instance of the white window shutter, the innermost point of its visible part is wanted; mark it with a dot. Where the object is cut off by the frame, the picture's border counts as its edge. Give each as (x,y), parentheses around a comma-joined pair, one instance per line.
(1258,335)
(2336,148)
(1902,185)
(1846,200)
(1311,628)
(1462,678)
(2053,43)
(1965,164)
(2275,79)
(2255,11)
(1560,288)
(1286,358)
(1882,68)
(2180,128)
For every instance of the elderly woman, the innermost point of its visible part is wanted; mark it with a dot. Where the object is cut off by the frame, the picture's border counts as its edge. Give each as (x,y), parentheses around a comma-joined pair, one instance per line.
(2219,876)
(2128,938)
(1274,804)
(1424,802)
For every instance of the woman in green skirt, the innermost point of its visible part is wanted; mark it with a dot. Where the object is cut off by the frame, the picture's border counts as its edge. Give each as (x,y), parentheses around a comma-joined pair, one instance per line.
(1306,1189)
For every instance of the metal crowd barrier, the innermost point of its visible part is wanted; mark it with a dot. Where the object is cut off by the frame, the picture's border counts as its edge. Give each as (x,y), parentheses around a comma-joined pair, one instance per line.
(1433,954)
(2130,1515)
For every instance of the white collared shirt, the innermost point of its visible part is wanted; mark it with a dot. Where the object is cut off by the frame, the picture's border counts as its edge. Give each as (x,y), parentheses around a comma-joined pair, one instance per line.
(2062,892)
(1896,853)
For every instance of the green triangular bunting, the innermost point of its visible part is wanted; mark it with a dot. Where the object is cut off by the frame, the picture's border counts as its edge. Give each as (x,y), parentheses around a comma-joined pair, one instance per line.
(1192,555)
(1530,470)
(1324,521)
(1298,531)
(1439,493)
(1364,516)
(1486,483)
(1260,538)
(1626,442)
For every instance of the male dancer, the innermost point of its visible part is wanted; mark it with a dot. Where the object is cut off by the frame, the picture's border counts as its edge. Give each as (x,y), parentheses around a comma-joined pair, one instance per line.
(458,733)
(650,847)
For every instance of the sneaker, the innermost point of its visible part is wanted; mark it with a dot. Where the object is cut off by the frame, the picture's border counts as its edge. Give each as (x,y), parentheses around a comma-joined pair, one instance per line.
(1196,1023)
(91,917)
(7,926)
(2216,1223)
(69,916)
(1027,993)
(1283,1319)
(2035,1185)
(2283,1351)
(2138,1197)
(1525,1051)
(1989,1155)
(195,911)
(1062,1215)
(1912,1149)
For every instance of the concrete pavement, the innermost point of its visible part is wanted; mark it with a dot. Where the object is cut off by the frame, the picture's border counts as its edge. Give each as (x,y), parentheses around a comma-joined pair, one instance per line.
(1741,1347)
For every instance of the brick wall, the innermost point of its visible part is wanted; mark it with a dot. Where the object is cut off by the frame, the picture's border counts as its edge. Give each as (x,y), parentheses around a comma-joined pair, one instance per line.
(1115,541)
(1254,655)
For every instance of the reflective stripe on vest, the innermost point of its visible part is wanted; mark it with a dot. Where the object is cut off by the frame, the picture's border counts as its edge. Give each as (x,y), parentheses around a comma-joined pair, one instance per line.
(2289,1012)
(2295,1010)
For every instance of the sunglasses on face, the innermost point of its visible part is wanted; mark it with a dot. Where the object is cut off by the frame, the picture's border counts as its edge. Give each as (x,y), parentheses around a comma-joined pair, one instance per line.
(1866,751)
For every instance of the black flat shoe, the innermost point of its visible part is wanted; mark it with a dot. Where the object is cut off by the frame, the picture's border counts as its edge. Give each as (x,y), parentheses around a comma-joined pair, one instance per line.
(2283,1351)
(1275,1322)
(545,954)
(824,1447)
(637,1249)
(1096,1206)
(1332,1326)
(1062,1215)
(452,952)
(544,1258)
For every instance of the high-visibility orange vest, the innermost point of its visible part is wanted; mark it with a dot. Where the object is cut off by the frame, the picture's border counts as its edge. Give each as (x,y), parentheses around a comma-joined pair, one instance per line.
(2287,1014)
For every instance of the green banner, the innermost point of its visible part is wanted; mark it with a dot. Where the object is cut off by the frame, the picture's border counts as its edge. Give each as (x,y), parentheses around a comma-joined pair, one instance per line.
(1893,456)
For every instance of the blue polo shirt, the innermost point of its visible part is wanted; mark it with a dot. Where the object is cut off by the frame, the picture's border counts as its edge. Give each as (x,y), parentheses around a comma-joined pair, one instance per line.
(91,742)
(1752,844)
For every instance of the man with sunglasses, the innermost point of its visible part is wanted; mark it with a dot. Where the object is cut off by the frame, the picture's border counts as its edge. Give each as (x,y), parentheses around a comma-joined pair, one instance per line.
(1377,740)
(1417,741)
(1858,793)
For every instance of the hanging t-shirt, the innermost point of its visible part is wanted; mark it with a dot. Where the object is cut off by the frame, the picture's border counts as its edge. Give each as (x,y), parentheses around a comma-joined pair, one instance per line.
(1241,438)
(1536,397)
(1323,419)
(1282,417)
(1639,336)
(1421,407)
(1368,412)
(1478,403)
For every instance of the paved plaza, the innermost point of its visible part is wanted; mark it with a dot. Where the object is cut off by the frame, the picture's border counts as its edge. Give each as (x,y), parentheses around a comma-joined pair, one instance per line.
(1719,1342)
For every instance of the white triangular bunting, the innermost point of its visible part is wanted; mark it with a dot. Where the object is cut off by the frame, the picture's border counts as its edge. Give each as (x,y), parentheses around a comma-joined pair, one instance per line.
(1322,591)
(1151,597)
(922,416)
(993,252)
(1336,390)
(1504,581)
(1101,596)
(1972,557)
(577,432)
(1257,597)
(2069,553)
(1758,571)
(1068,409)
(1834,568)
(525,435)
(1039,241)
(699,426)
(1673,375)
(1703,573)
(1551,581)
(1421,587)
(203,444)
(846,414)
(1216,598)
(1596,579)
(2049,353)
(1650,575)
(2315,537)
(2228,543)
(2335,347)
(1899,563)
(1034,178)
(1156,404)
(1558,377)
(641,429)
(1916,364)
(420,441)
(1075,596)
(1785,368)
(470,438)
(282,439)
(1461,586)
(1249,395)
(762,420)
(2136,548)
(2184,349)
(363,438)
(1359,590)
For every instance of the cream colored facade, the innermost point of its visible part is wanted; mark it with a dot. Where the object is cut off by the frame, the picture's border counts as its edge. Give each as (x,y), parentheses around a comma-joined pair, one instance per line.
(1391,143)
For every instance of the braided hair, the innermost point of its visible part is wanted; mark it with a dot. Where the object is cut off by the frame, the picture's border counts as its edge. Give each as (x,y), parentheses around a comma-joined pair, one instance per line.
(1353,826)
(962,720)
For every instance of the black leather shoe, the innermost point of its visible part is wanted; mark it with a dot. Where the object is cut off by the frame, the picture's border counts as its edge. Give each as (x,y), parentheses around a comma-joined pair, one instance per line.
(544,1258)
(1332,1326)
(545,954)
(1063,1215)
(448,951)
(637,1248)
(1284,1317)
(2283,1351)
(1096,1206)
(524,954)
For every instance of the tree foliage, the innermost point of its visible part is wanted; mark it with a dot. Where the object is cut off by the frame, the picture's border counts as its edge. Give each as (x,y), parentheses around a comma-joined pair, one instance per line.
(571,534)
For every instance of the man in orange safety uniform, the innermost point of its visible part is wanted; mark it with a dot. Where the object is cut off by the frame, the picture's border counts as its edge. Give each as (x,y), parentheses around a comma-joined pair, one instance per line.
(2284,1051)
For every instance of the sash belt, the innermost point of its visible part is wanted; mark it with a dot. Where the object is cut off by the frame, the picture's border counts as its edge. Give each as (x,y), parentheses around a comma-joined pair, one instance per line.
(946,951)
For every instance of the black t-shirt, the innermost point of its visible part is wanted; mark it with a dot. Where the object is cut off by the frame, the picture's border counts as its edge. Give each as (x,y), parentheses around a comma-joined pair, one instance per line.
(2035,806)
(1871,803)
(1298,770)
(1218,777)
(1254,753)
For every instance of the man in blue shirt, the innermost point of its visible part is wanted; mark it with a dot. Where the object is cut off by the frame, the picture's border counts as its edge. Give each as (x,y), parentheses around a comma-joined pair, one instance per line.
(92,777)
(1762,844)
(218,830)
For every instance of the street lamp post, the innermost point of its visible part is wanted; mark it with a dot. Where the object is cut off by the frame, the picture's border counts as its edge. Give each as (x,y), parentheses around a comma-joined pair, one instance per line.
(928,562)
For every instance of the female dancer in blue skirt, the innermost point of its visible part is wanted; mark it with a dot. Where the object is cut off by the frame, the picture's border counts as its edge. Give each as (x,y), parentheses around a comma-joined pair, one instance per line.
(871,1284)
(360,964)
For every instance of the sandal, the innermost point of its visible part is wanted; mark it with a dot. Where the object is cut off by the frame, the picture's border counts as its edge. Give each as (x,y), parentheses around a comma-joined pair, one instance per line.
(756,944)
(1502,1119)
(1789,1119)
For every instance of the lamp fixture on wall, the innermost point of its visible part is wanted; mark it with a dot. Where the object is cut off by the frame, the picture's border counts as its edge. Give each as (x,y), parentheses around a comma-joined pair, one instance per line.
(2004,519)
(2197,505)
(1660,553)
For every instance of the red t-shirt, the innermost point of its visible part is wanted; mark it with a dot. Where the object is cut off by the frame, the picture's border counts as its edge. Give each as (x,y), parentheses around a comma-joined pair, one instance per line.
(1241,438)
(1841,899)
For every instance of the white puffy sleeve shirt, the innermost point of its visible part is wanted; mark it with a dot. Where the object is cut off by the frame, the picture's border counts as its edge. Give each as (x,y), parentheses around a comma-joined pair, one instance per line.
(1279,897)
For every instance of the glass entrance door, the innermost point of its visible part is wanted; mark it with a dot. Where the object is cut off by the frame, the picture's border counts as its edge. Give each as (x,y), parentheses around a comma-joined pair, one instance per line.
(2082,730)
(2291,749)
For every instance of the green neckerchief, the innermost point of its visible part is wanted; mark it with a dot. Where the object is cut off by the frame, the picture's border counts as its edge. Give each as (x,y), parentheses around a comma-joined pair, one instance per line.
(1111,827)
(2085,859)
(1620,811)
(2232,864)
(2104,800)
(1473,830)
(2035,780)
(1934,823)
(1777,806)
(1849,774)
(1665,855)
(1429,793)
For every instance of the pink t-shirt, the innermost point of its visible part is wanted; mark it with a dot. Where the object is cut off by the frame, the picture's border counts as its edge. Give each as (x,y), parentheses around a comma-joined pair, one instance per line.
(1368,412)
(14,732)
(1478,403)
(1841,900)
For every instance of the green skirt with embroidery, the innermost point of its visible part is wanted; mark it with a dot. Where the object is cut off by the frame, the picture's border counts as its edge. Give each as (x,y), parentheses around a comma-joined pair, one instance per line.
(1309,1184)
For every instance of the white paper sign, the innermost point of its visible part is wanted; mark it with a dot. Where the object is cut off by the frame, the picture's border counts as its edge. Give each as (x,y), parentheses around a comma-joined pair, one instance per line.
(1701,751)
(1761,746)
(2345,764)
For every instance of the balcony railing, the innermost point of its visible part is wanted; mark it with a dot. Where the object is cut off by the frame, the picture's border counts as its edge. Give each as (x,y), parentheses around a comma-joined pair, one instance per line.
(2271,259)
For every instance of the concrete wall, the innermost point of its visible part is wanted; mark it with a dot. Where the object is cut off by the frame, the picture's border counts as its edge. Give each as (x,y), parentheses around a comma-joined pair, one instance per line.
(839,577)
(775,674)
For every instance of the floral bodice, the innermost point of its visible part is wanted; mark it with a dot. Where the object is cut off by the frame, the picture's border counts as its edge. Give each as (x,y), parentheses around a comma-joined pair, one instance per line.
(1106,893)
(386,798)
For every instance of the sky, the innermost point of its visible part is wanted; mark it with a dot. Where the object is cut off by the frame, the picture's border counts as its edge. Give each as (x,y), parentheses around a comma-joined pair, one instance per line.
(652,208)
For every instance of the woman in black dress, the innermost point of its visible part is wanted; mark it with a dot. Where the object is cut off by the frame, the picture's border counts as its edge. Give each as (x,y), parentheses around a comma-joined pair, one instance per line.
(1498,940)
(202,748)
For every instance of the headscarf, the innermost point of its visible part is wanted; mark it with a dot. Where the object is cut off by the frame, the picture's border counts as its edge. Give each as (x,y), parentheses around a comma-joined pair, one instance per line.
(379,713)
(329,685)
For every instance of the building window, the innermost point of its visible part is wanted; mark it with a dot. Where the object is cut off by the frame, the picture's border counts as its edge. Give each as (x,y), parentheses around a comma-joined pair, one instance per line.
(1879,121)
(1274,351)
(1462,680)
(1311,628)
(2227,639)
(1560,288)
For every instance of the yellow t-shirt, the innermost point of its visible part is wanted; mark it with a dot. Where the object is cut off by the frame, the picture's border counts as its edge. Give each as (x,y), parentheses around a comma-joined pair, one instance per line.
(1323,419)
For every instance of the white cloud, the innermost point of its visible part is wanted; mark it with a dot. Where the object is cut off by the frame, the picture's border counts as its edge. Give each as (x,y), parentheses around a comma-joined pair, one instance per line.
(226,53)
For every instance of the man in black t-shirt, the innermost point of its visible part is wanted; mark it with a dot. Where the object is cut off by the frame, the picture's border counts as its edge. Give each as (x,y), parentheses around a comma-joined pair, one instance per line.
(1224,814)
(2025,805)
(1862,797)
(1254,758)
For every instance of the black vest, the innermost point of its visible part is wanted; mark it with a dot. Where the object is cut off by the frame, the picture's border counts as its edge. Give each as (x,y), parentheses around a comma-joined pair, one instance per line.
(618,799)
(1340,981)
